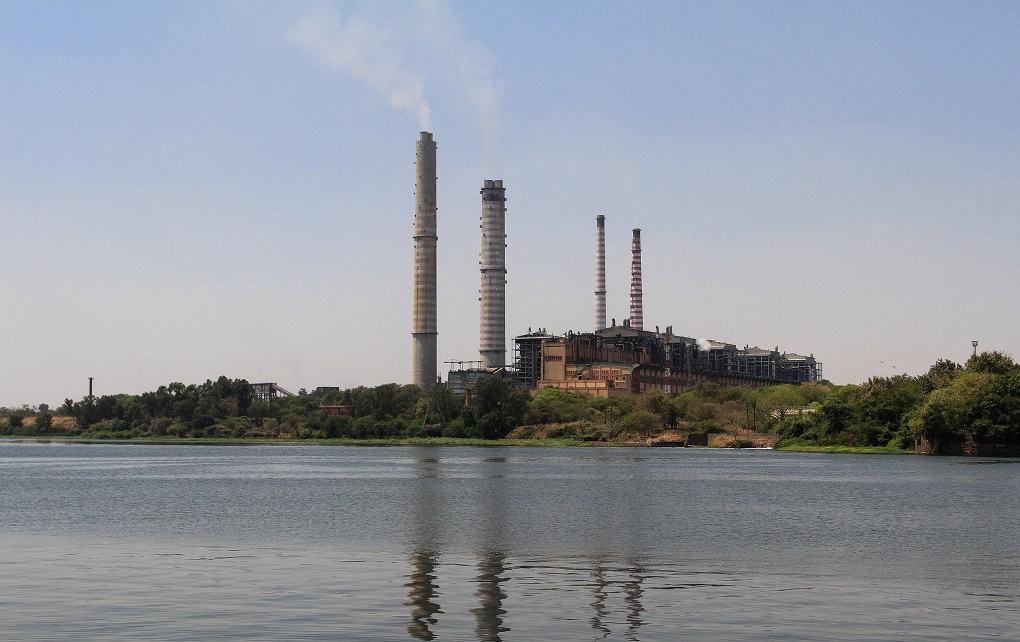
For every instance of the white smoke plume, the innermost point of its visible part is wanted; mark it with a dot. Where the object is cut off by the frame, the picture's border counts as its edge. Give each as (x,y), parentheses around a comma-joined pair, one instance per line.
(467,68)
(420,41)
(704,345)
(367,53)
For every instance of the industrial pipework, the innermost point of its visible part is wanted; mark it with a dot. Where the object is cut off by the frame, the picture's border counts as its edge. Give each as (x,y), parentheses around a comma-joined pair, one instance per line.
(600,272)
(636,312)
(425,362)
(492,327)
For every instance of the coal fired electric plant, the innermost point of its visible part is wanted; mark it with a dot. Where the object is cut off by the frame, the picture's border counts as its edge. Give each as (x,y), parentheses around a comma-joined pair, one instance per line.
(612,360)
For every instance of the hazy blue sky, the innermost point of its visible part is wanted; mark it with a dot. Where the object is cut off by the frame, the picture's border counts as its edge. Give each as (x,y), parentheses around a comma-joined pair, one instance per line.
(195,189)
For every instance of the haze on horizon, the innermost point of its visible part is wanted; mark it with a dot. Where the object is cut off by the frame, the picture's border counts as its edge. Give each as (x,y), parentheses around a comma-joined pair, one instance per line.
(196,189)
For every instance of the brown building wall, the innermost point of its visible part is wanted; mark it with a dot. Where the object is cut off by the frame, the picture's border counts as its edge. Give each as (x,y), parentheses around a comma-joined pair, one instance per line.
(611,370)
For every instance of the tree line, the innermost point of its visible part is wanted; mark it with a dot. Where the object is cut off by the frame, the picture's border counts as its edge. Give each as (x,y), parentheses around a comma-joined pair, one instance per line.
(950,405)
(946,408)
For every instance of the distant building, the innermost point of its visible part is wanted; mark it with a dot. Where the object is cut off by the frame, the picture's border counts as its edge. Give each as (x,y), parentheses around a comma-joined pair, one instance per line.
(623,361)
(798,368)
(343,411)
(269,391)
(460,382)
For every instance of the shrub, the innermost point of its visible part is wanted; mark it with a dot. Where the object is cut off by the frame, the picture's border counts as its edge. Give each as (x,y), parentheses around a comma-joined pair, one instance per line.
(44,422)
(642,421)
(708,425)
(565,431)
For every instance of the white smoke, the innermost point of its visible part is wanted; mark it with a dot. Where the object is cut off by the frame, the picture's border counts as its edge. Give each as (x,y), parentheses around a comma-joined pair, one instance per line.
(383,58)
(467,67)
(704,345)
(367,53)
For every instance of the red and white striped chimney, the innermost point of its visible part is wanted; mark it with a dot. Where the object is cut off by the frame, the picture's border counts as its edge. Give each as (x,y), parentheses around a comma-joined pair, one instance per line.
(636,312)
(600,272)
(492,330)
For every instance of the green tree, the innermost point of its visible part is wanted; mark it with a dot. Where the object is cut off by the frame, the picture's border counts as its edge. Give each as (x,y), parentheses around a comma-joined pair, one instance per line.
(778,401)
(994,413)
(552,405)
(260,411)
(659,404)
(994,362)
(643,422)
(940,375)
(44,422)
(694,406)
(500,406)
(945,418)
(438,406)
(815,392)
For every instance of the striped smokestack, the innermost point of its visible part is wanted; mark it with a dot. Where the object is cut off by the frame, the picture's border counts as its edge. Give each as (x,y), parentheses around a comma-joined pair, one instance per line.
(492,330)
(636,313)
(425,362)
(600,272)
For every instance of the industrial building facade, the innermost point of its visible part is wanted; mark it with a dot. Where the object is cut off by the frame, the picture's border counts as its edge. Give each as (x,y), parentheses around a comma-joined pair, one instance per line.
(623,361)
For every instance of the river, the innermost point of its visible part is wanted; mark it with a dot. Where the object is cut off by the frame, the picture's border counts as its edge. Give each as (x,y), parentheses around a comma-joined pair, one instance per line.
(296,542)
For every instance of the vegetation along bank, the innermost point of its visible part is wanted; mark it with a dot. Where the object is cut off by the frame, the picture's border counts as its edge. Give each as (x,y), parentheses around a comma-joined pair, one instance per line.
(970,408)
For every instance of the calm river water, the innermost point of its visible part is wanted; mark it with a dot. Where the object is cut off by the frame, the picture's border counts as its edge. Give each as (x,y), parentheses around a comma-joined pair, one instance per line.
(131,542)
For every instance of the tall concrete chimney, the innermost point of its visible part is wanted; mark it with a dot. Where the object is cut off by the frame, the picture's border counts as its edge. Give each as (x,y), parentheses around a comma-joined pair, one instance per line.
(492,330)
(636,312)
(600,272)
(425,362)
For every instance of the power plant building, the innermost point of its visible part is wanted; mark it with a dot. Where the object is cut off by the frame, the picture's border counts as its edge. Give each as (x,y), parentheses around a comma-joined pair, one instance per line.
(624,361)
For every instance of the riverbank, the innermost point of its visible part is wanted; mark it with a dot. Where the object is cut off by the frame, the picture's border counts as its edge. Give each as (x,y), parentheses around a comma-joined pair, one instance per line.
(557,442)
(259,441)
(849,450)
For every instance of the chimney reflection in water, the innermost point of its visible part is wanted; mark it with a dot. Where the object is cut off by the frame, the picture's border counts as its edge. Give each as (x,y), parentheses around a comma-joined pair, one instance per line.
(422,594)
(490,612)
(423,591)
(632,598)
(599,603)
(492,556)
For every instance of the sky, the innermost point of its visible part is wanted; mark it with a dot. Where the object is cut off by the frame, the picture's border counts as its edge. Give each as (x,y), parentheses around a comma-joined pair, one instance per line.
(197,189)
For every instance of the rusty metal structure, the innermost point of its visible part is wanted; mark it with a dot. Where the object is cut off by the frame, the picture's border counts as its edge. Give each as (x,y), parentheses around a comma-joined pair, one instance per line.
(267,391)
